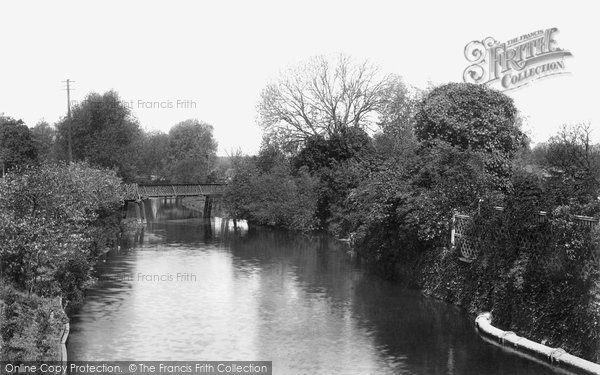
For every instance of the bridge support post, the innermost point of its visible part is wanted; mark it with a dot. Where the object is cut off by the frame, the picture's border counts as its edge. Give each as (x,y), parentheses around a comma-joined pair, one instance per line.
(142,210)
(207,207)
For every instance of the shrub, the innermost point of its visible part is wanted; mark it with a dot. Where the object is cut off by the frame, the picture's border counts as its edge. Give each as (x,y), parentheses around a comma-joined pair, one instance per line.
(30,326)
(52,216)
(274,197)
(537,277)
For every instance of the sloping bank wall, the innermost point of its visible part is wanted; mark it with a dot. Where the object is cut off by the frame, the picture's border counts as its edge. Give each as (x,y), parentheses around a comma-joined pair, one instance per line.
(63,343)
(552,356)
(554,309)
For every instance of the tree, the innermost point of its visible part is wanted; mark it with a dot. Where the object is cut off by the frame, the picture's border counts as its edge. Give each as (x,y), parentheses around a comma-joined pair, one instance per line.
(338,163)
(318,99)
(319,152)
(473,117)
(43,138)
(192,152)
(153,149)
(104,132)
(269,156)
(572,163)
(271,197)
(396,119)
(16,144)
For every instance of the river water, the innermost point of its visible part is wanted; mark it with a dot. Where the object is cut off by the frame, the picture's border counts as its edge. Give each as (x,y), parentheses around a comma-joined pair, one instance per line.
(186,288)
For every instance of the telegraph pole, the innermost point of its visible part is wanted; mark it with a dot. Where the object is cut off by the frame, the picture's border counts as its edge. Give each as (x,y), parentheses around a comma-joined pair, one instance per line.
(69,134)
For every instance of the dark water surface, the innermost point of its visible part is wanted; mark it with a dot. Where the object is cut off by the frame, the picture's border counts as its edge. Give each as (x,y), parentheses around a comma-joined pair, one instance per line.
(186,288)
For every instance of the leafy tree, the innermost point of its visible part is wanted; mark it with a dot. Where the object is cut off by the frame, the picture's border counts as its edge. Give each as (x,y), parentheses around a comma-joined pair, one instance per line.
(396,120)
(319,152)
(473,117)
(469,116)
(43,137)
(16,144)
(153,151)
(192,152)
(274,197)
(269,156)
(239,194)
(104,132)
(318,99)
(339,162)
(406,204)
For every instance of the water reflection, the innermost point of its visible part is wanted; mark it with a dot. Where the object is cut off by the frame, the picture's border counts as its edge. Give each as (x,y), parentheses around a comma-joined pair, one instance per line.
(297,300)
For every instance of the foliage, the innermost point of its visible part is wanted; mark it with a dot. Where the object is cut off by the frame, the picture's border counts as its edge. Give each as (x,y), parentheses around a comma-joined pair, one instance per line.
(473,117)
(153,151)
(17,147)
(269,156)
(53,220)
(406,204)
(43,136)
(334,209)
(537,277)
(30,326)
(104,133)
(339,163)
(274,197)
(191,152)
(469,116)
(572,165)
(396,120)
(321,153)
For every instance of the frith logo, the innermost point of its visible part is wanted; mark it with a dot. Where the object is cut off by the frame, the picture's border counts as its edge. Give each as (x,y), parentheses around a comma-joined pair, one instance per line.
(516,63)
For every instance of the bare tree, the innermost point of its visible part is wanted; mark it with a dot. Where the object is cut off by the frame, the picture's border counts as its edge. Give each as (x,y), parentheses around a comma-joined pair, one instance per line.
(572,149)
(319,98)
(571,156)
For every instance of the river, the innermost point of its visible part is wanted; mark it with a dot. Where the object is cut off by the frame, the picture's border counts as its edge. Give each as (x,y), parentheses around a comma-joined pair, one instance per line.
(187,288)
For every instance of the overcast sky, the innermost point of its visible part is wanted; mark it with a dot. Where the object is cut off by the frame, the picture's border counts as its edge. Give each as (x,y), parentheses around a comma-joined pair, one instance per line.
(220,54)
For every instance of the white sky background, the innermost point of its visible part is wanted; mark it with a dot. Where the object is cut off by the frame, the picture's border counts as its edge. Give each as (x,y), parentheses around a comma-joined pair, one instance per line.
(222,54)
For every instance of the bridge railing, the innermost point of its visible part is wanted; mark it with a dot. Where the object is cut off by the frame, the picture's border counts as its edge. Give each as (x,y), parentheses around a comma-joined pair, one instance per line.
(468,243)
(135,192)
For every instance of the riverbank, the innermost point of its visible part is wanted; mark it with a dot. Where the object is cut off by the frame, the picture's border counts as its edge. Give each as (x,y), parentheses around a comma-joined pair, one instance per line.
(555,357)
(57,220)
(33,327)
(540,310)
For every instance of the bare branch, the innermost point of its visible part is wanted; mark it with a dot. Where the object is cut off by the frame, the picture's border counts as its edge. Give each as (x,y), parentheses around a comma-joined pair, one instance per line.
(317,98)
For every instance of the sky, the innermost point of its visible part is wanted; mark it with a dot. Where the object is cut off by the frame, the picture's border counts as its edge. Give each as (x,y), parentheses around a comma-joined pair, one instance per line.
(211,59)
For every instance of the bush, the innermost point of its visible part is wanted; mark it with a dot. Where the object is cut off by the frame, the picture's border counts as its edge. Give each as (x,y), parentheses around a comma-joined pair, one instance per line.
(53,216)
(274,197)
(539,278)
(30,326)
(54,220)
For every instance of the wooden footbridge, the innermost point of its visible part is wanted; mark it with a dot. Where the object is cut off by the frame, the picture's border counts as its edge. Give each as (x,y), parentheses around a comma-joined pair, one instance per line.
(135,192)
